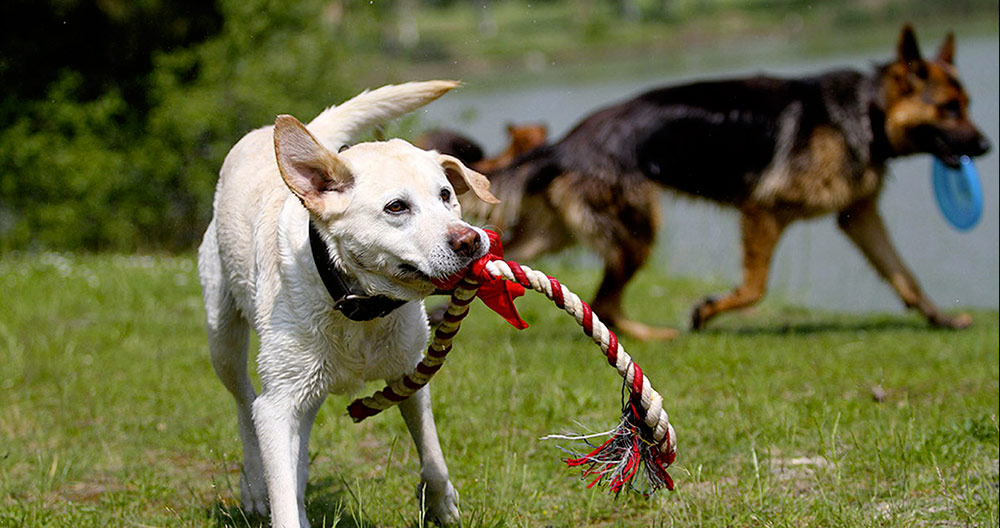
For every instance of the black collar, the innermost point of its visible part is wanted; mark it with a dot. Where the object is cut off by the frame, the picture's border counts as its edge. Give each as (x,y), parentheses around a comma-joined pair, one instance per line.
(354,307)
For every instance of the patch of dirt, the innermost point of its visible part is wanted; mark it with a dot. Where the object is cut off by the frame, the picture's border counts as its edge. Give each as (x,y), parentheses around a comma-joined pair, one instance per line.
(798,473)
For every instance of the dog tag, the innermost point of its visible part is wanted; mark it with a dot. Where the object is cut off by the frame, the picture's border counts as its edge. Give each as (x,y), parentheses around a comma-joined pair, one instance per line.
(959,193)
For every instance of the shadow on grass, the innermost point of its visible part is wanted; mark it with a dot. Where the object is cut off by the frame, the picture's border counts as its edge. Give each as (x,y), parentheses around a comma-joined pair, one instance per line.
(328,505)
(332,504)
(830,326)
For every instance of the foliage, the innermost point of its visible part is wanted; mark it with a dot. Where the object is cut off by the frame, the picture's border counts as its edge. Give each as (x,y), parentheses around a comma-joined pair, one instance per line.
(110,414)
(126,160)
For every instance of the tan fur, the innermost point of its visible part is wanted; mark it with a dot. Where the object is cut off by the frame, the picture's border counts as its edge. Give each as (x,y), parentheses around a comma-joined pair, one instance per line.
(523,138)
(912,101)
(816,183)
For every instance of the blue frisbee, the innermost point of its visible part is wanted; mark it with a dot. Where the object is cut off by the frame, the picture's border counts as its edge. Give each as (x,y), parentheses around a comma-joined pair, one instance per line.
(959,193)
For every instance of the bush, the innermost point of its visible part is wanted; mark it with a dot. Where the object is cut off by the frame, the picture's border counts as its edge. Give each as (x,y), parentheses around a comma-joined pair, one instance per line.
(97,164)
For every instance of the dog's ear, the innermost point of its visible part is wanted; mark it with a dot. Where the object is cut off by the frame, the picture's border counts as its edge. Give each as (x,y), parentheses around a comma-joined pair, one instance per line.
(946,53)
(465,179)
(310,171)
(908,52)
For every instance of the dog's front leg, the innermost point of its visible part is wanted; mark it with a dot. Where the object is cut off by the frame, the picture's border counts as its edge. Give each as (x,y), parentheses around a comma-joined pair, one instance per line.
(863,224)
(436,493)
(283,421)
(761,230)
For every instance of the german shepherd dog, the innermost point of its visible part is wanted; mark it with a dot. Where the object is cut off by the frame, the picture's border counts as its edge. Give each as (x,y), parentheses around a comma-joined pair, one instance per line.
(778,150)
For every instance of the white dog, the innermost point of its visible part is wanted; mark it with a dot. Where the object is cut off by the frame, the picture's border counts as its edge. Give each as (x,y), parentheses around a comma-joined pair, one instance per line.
(383,220)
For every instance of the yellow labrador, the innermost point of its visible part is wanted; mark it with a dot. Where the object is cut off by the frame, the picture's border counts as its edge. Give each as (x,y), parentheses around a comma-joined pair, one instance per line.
(328,256)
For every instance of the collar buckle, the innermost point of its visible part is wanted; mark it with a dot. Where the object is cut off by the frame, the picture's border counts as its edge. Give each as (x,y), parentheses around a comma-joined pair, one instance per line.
(366,308)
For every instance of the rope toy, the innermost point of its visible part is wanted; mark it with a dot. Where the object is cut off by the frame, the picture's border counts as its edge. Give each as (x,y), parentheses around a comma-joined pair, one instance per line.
(642,444)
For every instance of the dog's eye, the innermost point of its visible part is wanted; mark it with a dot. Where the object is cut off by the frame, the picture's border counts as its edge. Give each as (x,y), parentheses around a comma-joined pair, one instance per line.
(397,207)
(445,194)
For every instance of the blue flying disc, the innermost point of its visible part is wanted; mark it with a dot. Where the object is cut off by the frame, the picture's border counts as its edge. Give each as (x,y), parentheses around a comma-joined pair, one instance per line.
(959,193)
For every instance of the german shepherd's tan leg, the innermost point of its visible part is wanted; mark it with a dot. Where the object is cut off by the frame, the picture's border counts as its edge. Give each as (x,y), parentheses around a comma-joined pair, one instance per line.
(761,230)
(620,266)
(863,225)
(621,227)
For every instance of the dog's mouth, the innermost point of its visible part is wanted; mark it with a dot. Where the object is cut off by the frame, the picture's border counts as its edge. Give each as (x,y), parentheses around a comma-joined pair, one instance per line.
(950,150)
(951,160)
(410,273)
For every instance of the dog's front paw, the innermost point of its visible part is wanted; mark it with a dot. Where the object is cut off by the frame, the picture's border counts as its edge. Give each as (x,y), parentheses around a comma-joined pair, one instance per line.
(702,312)
(440,502)
(958,322)
(253,496)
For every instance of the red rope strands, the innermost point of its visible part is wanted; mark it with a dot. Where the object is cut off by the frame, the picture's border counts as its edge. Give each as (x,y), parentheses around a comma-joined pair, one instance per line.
(433,359)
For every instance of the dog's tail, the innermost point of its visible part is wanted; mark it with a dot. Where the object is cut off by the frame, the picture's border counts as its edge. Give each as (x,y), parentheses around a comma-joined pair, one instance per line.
(340,125)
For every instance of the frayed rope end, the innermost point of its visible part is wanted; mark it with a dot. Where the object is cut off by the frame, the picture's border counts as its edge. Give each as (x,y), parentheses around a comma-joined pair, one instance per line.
(628,459)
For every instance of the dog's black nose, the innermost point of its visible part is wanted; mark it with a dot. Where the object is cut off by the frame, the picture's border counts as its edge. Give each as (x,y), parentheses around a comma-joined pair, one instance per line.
(984,146)
(463,240)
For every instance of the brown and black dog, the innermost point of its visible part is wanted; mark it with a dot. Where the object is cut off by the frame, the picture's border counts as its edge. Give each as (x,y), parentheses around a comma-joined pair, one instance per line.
(778,150)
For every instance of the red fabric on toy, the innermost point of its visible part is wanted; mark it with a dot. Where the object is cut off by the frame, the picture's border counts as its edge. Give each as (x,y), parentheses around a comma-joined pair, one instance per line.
(496,293)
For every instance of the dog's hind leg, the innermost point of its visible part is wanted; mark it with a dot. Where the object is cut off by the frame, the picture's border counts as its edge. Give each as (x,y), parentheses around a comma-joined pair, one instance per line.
(620,264)
(435,491)
(228,343)
(761,230)
(620,224)
(863,225)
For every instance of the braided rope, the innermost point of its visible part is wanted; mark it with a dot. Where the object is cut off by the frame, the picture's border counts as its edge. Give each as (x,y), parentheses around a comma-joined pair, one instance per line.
(653,414)
(437,351)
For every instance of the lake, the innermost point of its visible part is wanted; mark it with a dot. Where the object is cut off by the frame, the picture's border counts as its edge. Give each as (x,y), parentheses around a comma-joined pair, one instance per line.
(814,264)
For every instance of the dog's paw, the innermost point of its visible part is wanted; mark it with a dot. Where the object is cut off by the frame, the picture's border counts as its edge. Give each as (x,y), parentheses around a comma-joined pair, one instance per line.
(253,496)
(440,503)
(644,332)
(702,312)
(958,322)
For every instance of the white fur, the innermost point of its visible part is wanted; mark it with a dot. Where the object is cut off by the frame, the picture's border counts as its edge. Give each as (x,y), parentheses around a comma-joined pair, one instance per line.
(257,271)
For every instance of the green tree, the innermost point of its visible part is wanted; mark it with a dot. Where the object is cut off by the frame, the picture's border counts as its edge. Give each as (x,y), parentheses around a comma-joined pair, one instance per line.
(123,154)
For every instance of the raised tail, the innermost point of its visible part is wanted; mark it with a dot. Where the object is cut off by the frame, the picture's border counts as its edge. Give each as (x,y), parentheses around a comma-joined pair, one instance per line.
(340,125)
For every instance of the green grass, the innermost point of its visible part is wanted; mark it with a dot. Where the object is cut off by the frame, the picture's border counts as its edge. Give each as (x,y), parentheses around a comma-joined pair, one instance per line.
(110,414)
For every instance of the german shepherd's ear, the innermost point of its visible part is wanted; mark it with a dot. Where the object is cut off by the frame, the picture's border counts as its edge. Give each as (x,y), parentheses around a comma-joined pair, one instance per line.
(908,53)
(946,53)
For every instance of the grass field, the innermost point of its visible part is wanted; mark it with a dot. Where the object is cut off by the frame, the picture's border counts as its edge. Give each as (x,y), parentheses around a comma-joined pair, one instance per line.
(110,414)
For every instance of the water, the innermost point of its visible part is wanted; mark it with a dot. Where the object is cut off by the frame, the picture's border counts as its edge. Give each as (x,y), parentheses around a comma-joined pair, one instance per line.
(814,264)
